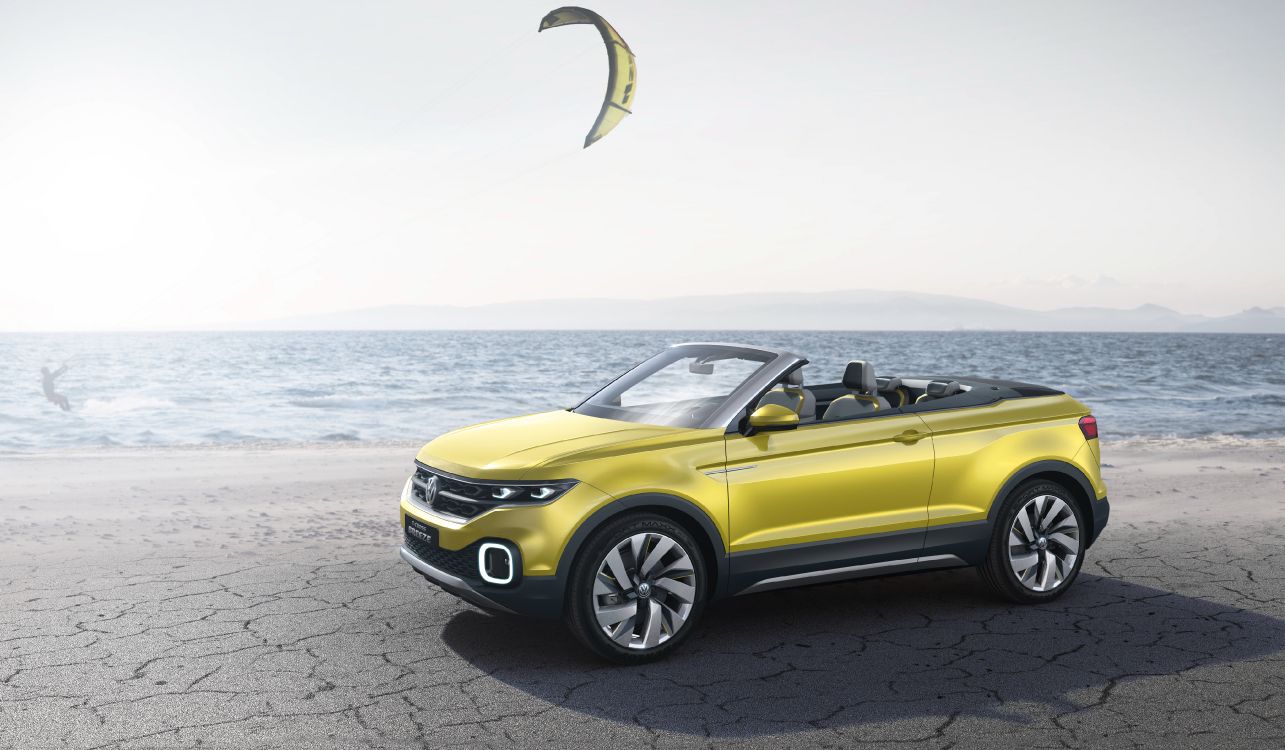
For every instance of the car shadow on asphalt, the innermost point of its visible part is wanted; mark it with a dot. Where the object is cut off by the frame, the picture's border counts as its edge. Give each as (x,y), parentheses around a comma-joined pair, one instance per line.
(920,646)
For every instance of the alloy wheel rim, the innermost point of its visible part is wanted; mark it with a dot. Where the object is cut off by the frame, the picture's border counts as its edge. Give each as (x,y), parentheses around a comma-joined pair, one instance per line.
(644,590)
(1044,543)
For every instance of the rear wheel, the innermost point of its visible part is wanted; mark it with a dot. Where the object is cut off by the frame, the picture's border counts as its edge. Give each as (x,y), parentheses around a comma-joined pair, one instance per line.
(637,589)
(1037,546)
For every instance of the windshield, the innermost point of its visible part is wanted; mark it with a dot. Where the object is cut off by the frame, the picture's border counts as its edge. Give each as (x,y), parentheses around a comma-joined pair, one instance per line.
(680,387)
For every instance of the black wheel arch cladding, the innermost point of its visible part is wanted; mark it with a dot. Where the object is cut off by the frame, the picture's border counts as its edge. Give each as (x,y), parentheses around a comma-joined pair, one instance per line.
(677,509)
(1062,473)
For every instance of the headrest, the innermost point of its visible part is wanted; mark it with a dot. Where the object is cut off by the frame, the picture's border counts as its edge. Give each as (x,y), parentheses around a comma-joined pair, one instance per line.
(795,378)
(859,376)
(943,388)
(888,384)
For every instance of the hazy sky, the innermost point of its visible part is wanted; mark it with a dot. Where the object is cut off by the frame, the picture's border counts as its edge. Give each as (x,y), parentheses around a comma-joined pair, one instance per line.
(176,163)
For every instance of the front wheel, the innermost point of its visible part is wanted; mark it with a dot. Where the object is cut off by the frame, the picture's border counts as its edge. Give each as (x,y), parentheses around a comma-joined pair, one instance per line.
(1037,546)
(637,589)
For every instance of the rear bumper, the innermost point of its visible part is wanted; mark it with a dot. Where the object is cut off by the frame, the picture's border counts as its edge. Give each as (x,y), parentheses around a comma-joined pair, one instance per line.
(534,596)
(1101,511)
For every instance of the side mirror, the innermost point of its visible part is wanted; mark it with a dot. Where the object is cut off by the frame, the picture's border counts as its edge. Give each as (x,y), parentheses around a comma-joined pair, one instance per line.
(774,417)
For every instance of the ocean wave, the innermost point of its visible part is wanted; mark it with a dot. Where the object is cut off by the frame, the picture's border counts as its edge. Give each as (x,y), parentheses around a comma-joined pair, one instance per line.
(369,402)
(1257,397)
(122,404)
(1207,441)
(227,436)
(300,392)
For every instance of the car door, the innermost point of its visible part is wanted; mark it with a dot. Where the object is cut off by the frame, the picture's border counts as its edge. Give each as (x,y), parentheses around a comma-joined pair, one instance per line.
(827,498)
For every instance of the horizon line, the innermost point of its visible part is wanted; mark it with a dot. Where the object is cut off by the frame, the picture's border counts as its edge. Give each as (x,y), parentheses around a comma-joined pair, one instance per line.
(621,330)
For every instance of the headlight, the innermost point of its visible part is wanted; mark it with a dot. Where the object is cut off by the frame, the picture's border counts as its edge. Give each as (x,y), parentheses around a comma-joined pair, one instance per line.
(516,493)
(468,498)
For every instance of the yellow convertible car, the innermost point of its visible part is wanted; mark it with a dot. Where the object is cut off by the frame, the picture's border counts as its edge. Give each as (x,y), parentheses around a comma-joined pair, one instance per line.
(712,470)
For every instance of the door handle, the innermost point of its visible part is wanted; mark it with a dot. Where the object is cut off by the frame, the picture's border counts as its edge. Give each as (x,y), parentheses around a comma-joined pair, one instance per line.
(909,436)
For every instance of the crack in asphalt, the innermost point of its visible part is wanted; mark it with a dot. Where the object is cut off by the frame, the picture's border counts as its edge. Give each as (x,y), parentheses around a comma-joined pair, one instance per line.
(1173,637)
(359,652)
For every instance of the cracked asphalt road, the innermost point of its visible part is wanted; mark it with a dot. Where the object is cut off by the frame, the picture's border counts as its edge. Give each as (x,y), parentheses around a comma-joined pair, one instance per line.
(242,599)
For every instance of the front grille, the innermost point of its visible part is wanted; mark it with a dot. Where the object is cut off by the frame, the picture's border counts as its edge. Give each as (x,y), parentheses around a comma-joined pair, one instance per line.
(456,508)
(459,563)
(453,496)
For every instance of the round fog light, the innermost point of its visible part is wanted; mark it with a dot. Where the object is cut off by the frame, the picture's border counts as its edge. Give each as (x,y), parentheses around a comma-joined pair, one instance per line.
(495,563)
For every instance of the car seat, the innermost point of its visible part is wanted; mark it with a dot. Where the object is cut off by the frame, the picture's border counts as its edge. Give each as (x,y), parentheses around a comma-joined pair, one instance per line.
(793,395)
(939,389)
(892,390)
(858,377)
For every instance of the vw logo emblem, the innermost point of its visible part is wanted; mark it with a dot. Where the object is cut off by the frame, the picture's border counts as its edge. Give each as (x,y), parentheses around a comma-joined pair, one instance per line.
(430,490)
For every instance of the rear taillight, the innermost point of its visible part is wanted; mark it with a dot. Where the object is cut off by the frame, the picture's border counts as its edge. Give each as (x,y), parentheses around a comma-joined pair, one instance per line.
(1089,426)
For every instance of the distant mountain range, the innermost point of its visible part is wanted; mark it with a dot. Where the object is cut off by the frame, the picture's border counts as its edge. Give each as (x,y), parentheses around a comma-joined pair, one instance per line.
(849,310)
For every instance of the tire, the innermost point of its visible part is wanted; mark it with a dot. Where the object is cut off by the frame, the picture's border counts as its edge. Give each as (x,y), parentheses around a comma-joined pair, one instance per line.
(1039,523)
(650,615)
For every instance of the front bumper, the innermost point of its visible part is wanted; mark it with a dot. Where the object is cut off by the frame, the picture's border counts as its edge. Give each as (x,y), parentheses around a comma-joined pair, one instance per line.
(537,533)
(534,596)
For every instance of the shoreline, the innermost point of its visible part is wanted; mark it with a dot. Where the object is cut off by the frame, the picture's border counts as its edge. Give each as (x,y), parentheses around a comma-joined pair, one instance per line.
(247,500)
(263,446)
(1156,442)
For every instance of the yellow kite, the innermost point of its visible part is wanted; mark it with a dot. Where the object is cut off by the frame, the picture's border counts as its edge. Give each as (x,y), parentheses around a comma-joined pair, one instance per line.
(621,72)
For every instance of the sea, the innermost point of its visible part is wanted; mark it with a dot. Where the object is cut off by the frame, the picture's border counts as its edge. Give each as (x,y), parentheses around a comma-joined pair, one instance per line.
(140,390)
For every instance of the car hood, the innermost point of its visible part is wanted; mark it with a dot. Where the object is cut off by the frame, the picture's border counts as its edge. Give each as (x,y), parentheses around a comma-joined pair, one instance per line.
(518,447)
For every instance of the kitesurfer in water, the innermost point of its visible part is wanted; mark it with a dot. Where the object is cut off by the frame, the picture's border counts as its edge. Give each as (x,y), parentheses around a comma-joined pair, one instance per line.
(47,379)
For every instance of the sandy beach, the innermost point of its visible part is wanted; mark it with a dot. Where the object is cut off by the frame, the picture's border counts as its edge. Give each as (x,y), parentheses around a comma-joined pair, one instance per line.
(244,598)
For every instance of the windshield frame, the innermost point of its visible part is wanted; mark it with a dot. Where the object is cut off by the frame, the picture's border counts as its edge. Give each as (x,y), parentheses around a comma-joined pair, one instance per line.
(777,364)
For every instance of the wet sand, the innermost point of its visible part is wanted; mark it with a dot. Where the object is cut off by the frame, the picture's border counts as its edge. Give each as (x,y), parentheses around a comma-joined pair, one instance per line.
(246,598)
